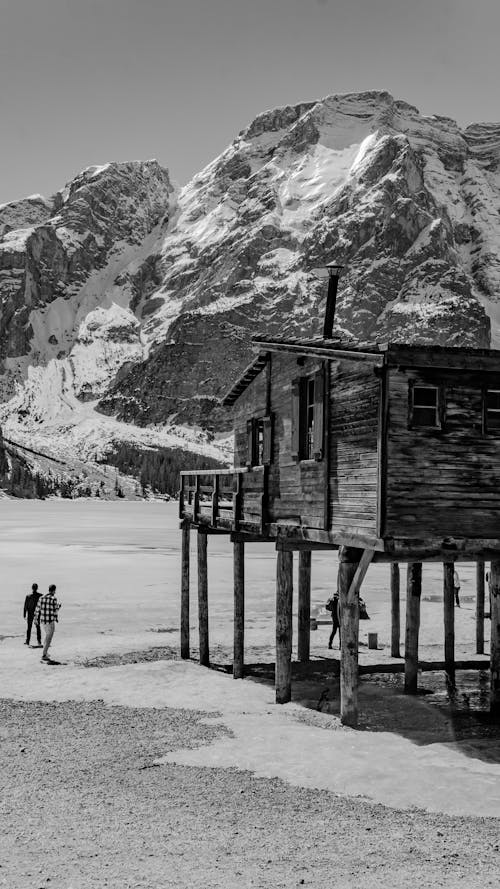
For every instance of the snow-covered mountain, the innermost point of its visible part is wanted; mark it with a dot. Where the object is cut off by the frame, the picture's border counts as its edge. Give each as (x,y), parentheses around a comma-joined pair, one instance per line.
(128,305)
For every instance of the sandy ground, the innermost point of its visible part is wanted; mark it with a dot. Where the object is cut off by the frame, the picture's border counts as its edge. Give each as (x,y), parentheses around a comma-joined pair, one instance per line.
(84,805)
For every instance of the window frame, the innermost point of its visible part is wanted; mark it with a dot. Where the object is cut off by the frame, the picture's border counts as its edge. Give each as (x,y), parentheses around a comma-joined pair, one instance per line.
(484,410)
(439,407)
(308,417)
(259,450)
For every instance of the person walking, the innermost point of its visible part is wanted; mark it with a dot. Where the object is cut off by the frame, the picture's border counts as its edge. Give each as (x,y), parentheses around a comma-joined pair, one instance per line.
(456,588)
(30,603)
(333,606)
(46,611)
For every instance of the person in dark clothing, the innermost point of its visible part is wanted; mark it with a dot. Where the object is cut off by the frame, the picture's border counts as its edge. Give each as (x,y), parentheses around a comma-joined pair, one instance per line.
(30,604)
(333,606)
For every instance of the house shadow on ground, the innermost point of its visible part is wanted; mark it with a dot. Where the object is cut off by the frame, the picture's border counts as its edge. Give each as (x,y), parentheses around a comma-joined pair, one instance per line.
(438,714)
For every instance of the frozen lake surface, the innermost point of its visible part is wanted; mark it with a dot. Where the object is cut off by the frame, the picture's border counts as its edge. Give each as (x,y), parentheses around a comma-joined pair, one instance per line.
(117,570)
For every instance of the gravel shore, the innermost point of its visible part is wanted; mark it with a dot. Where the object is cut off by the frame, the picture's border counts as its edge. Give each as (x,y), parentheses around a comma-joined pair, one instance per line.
(84,806)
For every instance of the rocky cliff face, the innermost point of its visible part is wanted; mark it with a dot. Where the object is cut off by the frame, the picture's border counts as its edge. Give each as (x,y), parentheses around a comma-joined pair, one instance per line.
(124,296)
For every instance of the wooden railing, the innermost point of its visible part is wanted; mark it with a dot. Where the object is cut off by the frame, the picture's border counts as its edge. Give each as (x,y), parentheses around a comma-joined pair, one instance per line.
(224,498)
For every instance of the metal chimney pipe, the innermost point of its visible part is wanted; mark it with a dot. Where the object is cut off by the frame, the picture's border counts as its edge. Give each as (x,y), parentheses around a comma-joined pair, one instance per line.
(331,299)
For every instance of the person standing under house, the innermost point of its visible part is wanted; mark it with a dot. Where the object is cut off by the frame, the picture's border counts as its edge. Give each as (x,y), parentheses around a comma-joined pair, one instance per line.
(333,606)
(46,611)
(30,603)
(456,588)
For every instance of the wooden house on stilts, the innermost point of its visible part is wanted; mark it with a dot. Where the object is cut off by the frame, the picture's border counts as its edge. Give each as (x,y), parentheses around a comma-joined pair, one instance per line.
(388,453)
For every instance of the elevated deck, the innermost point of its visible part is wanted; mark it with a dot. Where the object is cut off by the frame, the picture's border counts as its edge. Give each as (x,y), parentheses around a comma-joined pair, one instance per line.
(236,501)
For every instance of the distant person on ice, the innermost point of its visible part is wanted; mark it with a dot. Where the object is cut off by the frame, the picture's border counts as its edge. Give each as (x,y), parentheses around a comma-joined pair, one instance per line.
(456,588)
(333,606)
(46,611)
(30,603)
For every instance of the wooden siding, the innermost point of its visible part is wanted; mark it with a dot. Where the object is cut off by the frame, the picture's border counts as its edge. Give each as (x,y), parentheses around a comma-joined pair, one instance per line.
(354,404)
(252,403)
(296,489)
(442,482)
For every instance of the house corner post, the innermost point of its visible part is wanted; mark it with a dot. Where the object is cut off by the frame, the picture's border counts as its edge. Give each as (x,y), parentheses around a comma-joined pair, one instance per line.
(304,606)
(284,602)
(413,594)
(203,598)
(239,609)
(186,534)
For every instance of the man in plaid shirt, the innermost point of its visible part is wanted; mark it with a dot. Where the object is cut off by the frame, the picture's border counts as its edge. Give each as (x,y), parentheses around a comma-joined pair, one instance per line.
(46,613)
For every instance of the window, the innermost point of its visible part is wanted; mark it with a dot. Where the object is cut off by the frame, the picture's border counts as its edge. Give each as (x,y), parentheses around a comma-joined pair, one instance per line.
(491,411)
(259,441)
(425,406)
(308,417)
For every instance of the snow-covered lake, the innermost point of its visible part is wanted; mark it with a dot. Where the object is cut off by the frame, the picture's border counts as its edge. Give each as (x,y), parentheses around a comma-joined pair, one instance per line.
(117,570)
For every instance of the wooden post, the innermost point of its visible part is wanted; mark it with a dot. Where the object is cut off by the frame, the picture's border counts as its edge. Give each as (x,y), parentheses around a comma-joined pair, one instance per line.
(284,601)
(495,638)
(349,581)
(185,590)
(449,620)
(203,598)
(413,593)
(304,609)
(395,610)
(479,607)
(239,609)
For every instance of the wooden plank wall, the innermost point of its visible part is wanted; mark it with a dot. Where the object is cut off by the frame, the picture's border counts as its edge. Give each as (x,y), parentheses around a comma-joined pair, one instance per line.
(442,482)
(296,489)
(353,453)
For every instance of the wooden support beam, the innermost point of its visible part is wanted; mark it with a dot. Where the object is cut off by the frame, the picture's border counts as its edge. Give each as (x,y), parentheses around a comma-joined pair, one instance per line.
(203,599)
(495,637)
(395,610)
(185,590)
(353,565)
(449,620)
(239,609)
(284,601)
(479,607)
(413,594)
(304,608)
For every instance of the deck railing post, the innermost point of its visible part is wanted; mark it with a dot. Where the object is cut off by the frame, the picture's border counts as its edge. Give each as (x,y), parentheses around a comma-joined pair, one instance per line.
(479,607)
(239,609)
(413,594)
(185,590)
(495,637)
(304,606)
(449,620)
(395,610)
(203,598)
(215,500)
(284,602)
(196,498)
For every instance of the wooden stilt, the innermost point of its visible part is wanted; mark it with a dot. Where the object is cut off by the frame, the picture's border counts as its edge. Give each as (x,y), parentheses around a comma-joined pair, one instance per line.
(413,593)
(353,565)
(449,620)
(239,609)
(203,599)
(479,607)
(284,601)
(495,638)
(395,610)
(304,609)
(185,590)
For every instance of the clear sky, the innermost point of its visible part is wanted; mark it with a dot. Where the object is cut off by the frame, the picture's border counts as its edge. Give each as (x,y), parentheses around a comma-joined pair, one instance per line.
(89,81)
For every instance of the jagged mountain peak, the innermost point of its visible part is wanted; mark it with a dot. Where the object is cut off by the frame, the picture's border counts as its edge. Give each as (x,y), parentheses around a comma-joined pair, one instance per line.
(159,290)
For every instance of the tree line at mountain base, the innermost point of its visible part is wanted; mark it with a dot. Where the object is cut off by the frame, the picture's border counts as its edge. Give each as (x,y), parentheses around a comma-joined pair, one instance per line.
(158,470)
